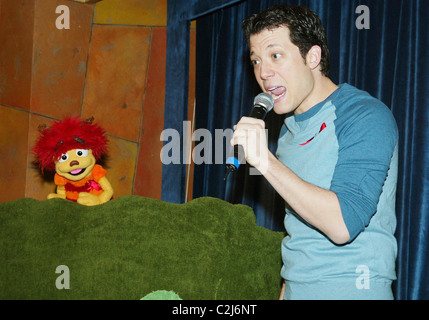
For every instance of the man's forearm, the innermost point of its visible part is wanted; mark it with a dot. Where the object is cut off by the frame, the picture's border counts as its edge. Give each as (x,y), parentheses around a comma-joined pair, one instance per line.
(318,206)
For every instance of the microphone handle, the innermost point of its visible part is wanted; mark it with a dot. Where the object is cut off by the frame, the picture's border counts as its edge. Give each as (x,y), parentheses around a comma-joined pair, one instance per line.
(239,153)
(233,162)
(258,112)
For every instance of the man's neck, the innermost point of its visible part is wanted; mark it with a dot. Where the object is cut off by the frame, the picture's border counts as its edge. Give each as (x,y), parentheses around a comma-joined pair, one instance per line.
(323,88)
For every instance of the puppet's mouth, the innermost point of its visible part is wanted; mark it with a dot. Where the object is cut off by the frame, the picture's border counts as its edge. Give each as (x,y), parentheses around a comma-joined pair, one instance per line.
(77,172)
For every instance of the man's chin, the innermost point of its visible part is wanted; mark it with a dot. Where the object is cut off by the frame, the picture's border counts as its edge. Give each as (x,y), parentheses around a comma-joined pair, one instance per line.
(283,107)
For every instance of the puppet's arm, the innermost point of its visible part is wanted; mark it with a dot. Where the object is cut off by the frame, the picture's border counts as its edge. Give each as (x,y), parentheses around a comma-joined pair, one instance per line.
(61,193)
(89,199)
(108,190)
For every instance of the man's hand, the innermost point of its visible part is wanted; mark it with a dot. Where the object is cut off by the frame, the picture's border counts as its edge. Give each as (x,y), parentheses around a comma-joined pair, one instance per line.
(251,134)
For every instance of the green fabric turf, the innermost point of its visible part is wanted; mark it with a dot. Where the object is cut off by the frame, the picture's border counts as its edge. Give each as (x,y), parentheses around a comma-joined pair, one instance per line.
(131,246)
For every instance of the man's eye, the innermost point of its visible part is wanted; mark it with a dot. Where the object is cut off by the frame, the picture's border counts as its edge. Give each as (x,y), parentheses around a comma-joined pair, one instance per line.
(254,62)
(81,152)
(63,157)
(276,55)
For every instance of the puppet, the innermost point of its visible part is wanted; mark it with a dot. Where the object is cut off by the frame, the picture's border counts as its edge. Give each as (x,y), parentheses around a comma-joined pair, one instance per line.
(71,148)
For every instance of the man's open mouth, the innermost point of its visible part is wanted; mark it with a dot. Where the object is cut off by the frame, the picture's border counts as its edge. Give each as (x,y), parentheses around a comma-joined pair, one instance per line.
(77,172)
(277,92)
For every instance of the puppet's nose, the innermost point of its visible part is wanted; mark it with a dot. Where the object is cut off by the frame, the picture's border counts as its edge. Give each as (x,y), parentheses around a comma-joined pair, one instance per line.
(74,163)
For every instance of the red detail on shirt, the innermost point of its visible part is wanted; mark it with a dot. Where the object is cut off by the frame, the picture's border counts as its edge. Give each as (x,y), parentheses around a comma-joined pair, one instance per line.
(323,126)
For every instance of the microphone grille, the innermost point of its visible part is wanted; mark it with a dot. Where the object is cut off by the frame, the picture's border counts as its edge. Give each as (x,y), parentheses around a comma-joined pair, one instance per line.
(265,100)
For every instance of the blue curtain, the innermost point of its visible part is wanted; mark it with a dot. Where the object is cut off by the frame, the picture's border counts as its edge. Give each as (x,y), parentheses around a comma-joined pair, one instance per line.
(389,60)
(180,13)
(225,89)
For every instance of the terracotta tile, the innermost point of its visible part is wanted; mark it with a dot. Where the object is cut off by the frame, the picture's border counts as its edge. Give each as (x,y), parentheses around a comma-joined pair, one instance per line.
(149,165)
(38,185)
(120,164)
(13,144)
(16,38)
(60,58)
(116,78)
(149,168)
(131,12)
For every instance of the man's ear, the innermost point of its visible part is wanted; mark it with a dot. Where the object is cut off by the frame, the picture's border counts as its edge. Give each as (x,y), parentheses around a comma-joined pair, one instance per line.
(314,55)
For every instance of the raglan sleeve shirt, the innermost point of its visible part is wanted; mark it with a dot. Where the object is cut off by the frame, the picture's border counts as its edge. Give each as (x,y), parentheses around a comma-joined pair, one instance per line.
(347,144)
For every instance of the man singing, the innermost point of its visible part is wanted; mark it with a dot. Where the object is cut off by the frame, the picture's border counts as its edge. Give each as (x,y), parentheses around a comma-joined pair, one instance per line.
(335,166)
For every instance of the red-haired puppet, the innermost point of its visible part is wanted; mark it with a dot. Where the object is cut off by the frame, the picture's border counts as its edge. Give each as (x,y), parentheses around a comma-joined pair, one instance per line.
(72,147)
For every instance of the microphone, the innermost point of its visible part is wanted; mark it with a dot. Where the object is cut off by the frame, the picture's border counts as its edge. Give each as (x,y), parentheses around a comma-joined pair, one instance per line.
(262,104)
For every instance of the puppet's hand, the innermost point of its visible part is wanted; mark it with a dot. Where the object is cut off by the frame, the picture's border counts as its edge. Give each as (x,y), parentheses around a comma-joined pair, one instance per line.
(88,199)
(61,193)
(55,195)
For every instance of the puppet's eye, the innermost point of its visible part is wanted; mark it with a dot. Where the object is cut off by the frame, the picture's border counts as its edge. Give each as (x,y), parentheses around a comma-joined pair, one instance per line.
(81,152)
(63,157)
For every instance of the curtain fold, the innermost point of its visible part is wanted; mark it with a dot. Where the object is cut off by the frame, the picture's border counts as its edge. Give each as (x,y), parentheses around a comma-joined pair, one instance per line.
(389,60)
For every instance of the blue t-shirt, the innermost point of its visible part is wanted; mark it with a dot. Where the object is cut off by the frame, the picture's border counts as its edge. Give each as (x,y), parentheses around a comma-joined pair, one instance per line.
(346,144)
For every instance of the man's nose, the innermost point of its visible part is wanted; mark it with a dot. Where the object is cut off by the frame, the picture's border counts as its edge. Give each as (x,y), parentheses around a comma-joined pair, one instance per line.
(266,71)
(74,163)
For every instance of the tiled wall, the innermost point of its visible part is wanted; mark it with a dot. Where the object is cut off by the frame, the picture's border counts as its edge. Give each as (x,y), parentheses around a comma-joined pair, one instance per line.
(110,65)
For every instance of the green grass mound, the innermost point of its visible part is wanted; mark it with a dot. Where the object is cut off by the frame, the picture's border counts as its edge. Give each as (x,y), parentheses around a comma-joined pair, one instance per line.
(132,246)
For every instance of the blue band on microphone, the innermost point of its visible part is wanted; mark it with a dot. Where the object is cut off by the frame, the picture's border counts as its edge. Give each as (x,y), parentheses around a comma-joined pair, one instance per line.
(233,161)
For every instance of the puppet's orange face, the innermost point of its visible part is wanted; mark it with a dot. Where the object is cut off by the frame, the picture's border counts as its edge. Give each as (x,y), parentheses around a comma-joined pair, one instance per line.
(76,164)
